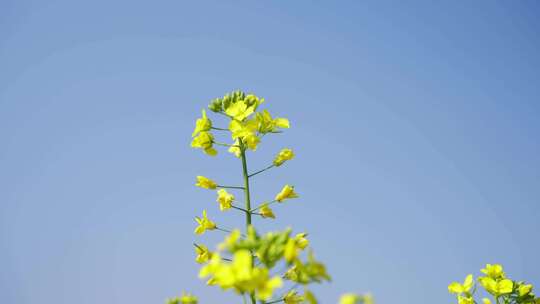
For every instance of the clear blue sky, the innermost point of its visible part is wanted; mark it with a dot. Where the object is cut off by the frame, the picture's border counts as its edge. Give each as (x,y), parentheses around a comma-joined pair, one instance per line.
(416,127)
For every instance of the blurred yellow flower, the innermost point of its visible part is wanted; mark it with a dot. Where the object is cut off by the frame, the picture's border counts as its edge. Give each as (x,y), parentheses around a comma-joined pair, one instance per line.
(205,183)
(301,241)
(310,297)
(495,287)
(186,298)
(524,289)
(203,254)
(224,199)
(284,155)
(494,271)
(266,212)
(286,193)
(204,224)
(292,297)
(242,275)
(349,298)
(465,300)
(235,148)
(291,251)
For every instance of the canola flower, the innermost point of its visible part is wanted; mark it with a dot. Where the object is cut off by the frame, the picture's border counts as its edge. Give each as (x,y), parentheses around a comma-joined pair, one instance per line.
(267,124)
(266,212)
(495,283)
(204,224)
(205,183)
(292,297)
(286,193)
(204,141)
(225,199)
(283,156)
(352,298)
(241,275)
(203,254)
(202,124)
(494,271)
(186,298)
(459,288)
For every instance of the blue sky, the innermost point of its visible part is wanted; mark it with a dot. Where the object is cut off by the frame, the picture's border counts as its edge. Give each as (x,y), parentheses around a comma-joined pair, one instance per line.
(415,127)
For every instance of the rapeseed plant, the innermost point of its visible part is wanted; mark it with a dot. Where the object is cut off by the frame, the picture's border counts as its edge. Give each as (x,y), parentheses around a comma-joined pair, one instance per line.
(246,263)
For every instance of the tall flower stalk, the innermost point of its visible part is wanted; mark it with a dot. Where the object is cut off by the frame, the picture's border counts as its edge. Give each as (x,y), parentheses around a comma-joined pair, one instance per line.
(266,268)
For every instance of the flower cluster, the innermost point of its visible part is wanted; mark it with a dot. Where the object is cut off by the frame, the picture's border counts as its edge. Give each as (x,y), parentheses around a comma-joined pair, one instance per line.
(253,265)
(245,125)
(253,256)
(257,265)
(495,283)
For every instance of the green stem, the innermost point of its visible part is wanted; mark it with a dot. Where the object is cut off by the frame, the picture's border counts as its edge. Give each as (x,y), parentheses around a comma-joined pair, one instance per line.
(246,183)
(261,205)
(247,198)
(229,187)
(261,171)
(224,230)
(238,208)
(222,144)
(228,231)
(220,129)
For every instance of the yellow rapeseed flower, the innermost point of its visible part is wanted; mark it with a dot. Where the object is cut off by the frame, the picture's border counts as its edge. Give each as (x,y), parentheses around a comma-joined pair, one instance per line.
(224,199)
(266,212)
(246,132)
(495,287)
(368,299)
(203,254)
(292,297)
(204,141)
(205,183)
(268,124)
(202,124)
(310,297)
(204,224)
(458,288)
(241,275)
(290,252)
(251,141)
(186,298)
(301,241)
(235,148)
(283,155)
(230,239)
(240,110)
(486,301)
(265,288)
(524,289)
(286,193)
(350,298)
(465,300)
(494,271)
